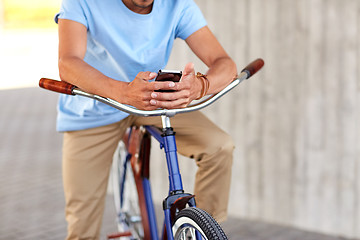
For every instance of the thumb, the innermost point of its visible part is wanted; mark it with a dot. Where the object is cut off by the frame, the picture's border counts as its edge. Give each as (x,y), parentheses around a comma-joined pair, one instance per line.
(147,75)
(189,69)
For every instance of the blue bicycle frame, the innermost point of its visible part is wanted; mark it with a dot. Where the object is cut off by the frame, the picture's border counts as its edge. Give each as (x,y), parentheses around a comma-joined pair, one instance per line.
(166,138)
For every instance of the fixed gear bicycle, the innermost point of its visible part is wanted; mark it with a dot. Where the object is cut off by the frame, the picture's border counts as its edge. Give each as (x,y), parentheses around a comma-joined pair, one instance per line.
(133,201)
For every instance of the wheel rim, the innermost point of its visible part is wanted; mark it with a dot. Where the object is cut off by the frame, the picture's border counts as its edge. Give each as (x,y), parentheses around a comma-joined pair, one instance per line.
(185,228)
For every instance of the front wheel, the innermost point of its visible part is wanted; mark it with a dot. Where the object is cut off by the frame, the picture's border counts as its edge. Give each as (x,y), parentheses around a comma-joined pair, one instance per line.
(191,220)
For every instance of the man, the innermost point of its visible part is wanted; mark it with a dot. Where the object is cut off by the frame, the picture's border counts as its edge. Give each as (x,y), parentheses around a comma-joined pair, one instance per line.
(113,48)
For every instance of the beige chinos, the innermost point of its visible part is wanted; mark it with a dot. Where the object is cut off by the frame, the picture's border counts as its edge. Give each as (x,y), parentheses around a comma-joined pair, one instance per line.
(87,158)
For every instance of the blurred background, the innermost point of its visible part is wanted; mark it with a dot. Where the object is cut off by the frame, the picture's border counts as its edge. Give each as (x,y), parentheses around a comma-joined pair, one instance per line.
(28,41)
(296,124)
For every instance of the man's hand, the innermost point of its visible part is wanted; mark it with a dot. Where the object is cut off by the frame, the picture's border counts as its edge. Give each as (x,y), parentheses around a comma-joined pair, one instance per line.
(138,93)
(186,90)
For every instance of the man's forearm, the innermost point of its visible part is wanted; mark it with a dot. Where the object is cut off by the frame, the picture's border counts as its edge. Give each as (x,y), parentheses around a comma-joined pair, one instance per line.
(220,74)
(77,72)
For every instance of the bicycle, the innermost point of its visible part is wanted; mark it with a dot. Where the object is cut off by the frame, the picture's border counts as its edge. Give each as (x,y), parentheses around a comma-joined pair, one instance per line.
(133,200)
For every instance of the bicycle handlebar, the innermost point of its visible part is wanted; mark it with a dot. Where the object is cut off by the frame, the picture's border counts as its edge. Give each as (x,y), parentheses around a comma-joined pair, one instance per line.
(57,86)
(67,88)
(253,67)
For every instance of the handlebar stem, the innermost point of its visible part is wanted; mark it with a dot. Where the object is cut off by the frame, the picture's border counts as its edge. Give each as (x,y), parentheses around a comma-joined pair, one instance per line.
(165,121)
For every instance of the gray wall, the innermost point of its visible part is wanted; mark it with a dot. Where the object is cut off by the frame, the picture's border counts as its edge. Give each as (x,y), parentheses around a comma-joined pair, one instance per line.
(297,123)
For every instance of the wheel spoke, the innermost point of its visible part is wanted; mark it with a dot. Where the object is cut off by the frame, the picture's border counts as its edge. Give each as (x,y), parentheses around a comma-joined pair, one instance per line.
(126,200)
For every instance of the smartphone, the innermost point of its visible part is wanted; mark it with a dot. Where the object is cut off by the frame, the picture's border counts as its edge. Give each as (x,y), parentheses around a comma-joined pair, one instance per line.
(168,75)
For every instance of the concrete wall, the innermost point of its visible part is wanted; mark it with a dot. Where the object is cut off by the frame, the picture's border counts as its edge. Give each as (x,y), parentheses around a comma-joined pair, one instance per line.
(297,123)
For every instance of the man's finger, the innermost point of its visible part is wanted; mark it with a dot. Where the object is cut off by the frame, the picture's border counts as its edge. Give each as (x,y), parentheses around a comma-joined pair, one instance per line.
(168,85)
(180,103)
(165,96)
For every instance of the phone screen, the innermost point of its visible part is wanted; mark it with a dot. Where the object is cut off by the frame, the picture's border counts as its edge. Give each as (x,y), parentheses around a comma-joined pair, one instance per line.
(168,75)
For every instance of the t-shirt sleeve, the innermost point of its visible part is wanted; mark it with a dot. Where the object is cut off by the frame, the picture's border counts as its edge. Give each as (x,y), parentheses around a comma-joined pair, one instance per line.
(72,10)
(191,20)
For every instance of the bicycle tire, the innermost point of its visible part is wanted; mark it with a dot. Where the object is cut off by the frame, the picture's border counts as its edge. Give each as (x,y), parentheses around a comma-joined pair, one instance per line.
(125,195)
(194,219)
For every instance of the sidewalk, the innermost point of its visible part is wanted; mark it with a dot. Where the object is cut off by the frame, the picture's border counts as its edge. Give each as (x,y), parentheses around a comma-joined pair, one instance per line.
(31,198)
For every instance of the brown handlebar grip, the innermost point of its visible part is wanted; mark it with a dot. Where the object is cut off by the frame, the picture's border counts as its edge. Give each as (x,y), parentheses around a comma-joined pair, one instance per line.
(56,86)
(253,67)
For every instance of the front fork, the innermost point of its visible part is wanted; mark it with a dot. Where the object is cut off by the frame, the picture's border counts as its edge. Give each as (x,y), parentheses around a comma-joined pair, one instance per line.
(177,199)
(172,205)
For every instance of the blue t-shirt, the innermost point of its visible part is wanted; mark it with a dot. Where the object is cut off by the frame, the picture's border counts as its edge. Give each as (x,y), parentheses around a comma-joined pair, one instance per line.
(120,44)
